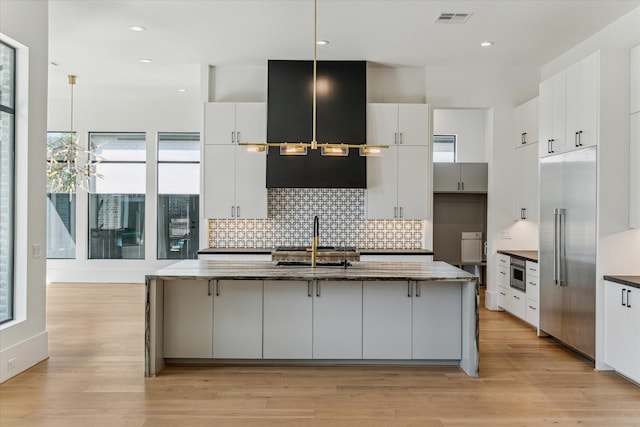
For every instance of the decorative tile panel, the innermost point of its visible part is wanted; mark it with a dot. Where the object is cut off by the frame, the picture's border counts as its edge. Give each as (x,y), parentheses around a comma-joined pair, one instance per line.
(290,223)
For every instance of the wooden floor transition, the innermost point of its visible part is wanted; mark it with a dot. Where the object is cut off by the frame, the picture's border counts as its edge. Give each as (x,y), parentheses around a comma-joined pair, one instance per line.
(94,377)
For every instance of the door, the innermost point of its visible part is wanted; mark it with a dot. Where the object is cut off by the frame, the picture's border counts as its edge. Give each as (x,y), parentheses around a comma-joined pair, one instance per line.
(382,124)
(413,124)
(382,185)
(551,175)
(219,181)
(337,320)
(251,189)
(251,119)
(219,123)
(413,182)
(386,320)
(436,304)
(237,319)
(288,322)
(578,301)
(188,303)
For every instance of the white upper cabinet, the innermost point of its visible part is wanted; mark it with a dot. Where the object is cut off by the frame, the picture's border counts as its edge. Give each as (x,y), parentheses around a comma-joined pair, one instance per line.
(526,183)
(582,103)
(634,104)
(398,180)
(230,123)
(551,112)
(460,177)
(525,123)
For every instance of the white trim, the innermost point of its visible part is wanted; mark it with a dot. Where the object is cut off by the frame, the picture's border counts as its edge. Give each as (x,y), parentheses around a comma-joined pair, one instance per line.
(26,353)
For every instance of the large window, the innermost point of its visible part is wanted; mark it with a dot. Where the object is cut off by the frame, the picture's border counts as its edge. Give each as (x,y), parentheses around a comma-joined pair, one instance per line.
(444,148)
(61,210)
(7,145)
(117,200)
(178,195)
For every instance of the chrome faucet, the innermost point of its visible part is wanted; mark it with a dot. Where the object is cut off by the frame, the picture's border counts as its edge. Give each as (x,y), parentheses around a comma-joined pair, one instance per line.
(316,239)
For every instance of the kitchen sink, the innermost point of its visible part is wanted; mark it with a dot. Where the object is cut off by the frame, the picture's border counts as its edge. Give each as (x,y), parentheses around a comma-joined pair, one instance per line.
(318,264)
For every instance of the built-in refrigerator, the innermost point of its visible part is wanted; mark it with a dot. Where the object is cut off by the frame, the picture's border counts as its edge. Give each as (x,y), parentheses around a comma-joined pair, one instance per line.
(567,258)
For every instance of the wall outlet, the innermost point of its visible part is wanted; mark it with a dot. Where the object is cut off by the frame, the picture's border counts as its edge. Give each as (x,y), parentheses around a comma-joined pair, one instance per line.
(11,364)
(505,235)
(36,250)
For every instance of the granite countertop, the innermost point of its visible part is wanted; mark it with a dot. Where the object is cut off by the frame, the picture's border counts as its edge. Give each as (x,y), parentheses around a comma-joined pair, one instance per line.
(633,281)
(527,255)
(239,270)
(362,251)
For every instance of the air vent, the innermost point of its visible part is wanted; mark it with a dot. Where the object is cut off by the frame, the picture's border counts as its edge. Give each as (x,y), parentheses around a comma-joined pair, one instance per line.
(452,18)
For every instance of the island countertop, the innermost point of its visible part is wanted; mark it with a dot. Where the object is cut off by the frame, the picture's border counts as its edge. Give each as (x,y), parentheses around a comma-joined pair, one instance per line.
(239,270)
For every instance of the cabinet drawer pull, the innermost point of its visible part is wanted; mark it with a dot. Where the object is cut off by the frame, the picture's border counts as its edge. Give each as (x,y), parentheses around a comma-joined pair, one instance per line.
(401,212)
(532,307)
(238,211)
(524,137)
(533,284)
(502,272)
(516,297)
(238,136)
(217,288)
(579,138)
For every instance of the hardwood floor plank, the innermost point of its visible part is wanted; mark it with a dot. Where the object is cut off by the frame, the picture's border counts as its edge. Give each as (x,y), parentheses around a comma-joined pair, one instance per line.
(94,377)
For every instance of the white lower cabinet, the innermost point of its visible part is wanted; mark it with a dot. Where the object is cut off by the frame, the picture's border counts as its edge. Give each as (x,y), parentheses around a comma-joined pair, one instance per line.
(386,320)
(188,319)
(237,319)
(622,329)
(503,296)
(532,314)
(337,320)
(287,319)
(517,304)
(437,321)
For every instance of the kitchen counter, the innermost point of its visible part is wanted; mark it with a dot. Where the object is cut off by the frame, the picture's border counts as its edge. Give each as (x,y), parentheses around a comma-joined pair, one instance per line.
(433,297)
(633,281)
(526,255)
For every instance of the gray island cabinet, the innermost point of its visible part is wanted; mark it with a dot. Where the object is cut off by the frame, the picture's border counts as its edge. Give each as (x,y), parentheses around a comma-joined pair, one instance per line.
(405,313)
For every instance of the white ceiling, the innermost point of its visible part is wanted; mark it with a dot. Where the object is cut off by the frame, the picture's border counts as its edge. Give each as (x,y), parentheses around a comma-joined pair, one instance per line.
(91,38)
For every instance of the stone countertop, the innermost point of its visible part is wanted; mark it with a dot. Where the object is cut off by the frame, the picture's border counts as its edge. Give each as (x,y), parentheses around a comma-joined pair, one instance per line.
(363,251)
(633,281)
(527,255)
(239,270)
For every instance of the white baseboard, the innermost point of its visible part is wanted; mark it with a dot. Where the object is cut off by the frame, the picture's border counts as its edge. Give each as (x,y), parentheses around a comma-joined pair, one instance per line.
(23,355)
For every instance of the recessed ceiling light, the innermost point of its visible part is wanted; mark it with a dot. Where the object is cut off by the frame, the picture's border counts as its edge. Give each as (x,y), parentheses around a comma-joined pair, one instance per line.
(322,42)
(145,60)
(137,28)
(486,44)
(182,90)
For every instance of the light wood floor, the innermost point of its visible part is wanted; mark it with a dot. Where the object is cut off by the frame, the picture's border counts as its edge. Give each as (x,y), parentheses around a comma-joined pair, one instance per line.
(94,378)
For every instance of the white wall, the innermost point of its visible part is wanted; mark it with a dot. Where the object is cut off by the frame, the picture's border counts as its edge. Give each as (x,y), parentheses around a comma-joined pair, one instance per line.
(469,125)
(25,339)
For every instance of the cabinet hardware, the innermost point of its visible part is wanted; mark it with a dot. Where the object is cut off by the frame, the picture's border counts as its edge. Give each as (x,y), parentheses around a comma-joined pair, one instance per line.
(503,294)
(462,185)
(580,138)
(532,307)
(209,287)
(395,212)
(533,284)
(409,288)
(575,139)
(624,291)
(238,211)
(217,288)
(516,297)
(502,272)
(309,288)
(401,138)
(458,186)
(317,288)
(523,213)
(629,298)
(524,138)
(418,289)
(238,136)
(395,138)
(233,211)
(233,137)
(400,211)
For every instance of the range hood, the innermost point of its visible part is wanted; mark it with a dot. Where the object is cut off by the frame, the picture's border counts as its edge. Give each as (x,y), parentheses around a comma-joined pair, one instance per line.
(341,118)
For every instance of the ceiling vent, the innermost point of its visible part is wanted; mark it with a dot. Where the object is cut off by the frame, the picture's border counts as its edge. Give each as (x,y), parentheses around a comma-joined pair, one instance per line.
(452,18)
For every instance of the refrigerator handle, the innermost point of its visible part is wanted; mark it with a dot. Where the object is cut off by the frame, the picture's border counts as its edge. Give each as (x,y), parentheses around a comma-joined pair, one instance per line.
(555,246)
(562,237)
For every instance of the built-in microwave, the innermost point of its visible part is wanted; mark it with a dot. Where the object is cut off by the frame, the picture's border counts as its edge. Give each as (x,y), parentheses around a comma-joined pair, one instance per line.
(518,274)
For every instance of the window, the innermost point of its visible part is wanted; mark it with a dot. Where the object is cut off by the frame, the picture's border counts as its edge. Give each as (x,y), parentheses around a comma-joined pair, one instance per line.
(61,212)
(178,195)
(444,148)
(117,200)
(7,177)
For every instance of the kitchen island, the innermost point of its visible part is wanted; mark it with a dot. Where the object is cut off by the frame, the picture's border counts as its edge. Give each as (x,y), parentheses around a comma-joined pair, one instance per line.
(412,313)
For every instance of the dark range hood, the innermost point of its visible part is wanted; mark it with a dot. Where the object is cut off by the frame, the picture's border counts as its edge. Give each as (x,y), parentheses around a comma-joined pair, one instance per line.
(341,118)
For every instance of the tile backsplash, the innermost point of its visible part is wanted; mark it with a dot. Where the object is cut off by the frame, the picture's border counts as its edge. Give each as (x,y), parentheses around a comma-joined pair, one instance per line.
(290,223)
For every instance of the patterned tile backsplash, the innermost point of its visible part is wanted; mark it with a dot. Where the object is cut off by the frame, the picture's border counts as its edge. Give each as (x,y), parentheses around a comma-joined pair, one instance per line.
(290,223)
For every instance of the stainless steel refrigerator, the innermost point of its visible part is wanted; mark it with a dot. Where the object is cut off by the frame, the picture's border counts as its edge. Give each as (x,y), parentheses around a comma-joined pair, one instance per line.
(568,248)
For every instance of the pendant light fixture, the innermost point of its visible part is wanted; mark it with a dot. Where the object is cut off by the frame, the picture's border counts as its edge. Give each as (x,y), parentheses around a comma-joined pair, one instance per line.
(327,149)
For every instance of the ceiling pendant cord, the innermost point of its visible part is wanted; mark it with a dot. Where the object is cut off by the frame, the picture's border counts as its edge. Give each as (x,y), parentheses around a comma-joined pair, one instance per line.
(72,82)
(314,142)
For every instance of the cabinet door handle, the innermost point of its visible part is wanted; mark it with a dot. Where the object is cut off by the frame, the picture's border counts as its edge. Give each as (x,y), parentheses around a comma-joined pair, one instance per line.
(623,292)
(400,211)
(309,288)
(458,186)
(409,288)
(502,272)
(516,297)
(575,139)
(524,137)
(233,211)
(503,294)
(629,298)
(401,138)
(395,138)
(395,212)
(418,289)
(462,185)
(317,288)
(209,287)
(217,288)
(523,213)
(533,284)
(532,308)
(580,138)
(238,211)
(233,137)
(238,136)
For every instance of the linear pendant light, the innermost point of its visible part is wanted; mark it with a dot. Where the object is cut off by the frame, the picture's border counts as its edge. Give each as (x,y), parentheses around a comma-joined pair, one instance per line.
(327,149)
